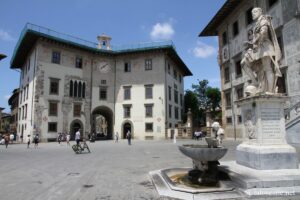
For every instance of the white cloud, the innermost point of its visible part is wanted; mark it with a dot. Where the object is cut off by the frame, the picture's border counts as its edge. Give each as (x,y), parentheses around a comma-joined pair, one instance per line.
(7,96)
(203,50)
(5,36)
(162,31)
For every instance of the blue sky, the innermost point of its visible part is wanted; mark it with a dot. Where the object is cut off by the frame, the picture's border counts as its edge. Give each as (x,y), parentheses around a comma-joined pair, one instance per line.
(127,22)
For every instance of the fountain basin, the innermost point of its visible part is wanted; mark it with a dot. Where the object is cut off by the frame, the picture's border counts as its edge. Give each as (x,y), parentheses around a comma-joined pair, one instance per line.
(202,152)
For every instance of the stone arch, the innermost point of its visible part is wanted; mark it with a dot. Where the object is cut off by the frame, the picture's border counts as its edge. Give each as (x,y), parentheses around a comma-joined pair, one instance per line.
(75,126)
(125,126)
(105,113)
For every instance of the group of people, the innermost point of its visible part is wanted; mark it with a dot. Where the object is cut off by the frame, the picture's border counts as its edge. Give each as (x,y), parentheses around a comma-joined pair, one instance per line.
(64,137)
(128,137)
(199,135)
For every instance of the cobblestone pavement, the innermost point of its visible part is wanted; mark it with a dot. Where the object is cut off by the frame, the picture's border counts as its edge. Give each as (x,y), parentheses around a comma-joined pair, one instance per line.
(110,171)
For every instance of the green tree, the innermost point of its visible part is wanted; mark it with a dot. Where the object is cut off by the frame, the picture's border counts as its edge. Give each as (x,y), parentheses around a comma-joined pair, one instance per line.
(200,90)
(191,101)
(213,99)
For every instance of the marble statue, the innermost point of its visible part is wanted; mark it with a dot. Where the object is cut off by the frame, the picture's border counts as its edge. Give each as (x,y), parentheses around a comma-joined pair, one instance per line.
(262,56)
(249,124)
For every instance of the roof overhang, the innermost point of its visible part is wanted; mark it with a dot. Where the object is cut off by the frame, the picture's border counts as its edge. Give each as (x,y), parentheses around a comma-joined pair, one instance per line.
(226,9)
(31,33)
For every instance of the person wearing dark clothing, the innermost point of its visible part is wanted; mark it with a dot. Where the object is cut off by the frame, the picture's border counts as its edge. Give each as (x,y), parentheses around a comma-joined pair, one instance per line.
(6,140)
(36,140)
(128,136)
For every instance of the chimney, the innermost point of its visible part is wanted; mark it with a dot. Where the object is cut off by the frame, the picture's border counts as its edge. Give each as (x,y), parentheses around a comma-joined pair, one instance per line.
(104,42)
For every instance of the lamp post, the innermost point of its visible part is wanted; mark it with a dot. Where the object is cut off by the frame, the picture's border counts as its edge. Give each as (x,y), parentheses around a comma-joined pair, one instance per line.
(2,56)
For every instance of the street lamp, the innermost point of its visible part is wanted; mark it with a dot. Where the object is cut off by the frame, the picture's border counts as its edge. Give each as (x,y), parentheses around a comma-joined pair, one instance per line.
(2,56)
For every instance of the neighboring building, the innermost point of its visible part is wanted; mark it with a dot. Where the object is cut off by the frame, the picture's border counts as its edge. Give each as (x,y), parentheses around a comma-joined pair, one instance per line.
(68,84)
(233,24)
(13,101)
(5,123)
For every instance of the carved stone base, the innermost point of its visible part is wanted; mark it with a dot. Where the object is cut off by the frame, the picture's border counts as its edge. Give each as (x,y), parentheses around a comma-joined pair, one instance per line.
(264,144)
(269,157)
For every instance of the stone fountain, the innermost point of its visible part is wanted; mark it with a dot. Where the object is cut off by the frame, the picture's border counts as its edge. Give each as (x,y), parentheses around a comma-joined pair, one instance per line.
(203,177)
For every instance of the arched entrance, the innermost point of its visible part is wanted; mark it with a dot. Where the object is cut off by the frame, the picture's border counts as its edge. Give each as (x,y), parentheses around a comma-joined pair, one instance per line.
(127,126)
(102,122)
(75,126)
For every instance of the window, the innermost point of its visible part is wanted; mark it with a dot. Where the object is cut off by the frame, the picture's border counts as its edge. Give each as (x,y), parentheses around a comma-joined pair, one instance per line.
(127,93)
(238,69)
(71,88)
(280,43)
(54,86)
(175,96)
(56,57)
(127,109)
(181,100)
(24,93)
(175,74)
(148,64)
(127,67)
(20,97)
(170,111)
(240,119)
(226,74)
(149,110)
(224,38)
(83,90)
(229,120)
(148,91)
(103,82)
(235,28)
(103,93)
(25,111)
(79,89)
(52,108)
(271,3)
(28,64)
(176,112)
(78,62)
(169,68)
(52,127)
(75,89)
(77,110)
(20,114)
(149,127)
(170,125)
(170,93)
(249,19)
(180,78)
(240,92)
(228,99)
(27,91)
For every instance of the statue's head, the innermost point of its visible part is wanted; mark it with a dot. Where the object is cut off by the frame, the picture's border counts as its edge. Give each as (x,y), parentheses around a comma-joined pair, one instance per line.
(256,13)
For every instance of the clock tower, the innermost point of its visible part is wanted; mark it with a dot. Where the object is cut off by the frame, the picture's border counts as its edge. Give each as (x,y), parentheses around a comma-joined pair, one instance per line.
(104,42)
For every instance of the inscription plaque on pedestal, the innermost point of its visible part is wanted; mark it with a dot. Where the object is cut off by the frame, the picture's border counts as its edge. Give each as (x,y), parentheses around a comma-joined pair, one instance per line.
(270,122)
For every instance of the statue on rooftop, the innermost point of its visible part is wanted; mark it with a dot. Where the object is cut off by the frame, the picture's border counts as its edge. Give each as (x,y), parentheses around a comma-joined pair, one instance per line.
(262,56)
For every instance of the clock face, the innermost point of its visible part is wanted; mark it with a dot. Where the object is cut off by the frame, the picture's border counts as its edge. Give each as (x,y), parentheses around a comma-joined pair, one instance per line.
(103,67)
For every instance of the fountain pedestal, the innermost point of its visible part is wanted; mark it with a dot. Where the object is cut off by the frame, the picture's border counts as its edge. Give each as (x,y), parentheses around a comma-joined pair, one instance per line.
(264,144)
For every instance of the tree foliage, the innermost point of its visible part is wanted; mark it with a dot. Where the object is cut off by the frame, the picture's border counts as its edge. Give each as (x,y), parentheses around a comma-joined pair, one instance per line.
(201,99)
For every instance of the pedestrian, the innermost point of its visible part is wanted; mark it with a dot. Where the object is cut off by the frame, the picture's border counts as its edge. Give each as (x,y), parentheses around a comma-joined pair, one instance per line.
(6,140)
(28,141)
(77,137)
(36,140)
(68,139)
(128,136)
(59,138)
(116,137)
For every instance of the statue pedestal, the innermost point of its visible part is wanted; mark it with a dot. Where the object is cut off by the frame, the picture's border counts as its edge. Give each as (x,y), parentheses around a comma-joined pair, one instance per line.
(264,144)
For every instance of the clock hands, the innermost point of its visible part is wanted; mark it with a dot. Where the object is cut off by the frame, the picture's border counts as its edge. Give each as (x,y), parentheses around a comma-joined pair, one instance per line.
(103,66)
